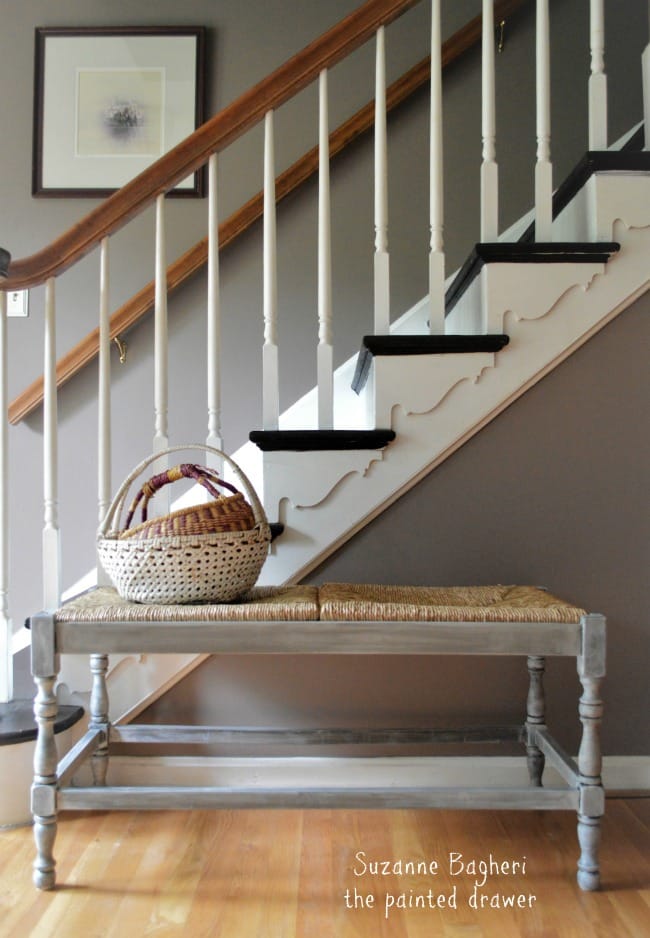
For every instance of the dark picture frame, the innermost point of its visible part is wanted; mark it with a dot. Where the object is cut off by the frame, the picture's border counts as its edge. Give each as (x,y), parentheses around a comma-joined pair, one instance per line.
(109,101)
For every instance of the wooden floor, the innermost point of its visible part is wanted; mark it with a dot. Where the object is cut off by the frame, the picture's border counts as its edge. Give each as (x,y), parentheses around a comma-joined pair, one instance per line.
(280,874)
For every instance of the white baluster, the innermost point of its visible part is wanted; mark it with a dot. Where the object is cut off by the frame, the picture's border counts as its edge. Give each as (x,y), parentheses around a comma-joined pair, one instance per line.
(324,353)
(597,79)
(161,341)
(381,260)
(489,166)
(270,368)
(436,252)
(543,168)
(51,535)
(645,66)
(104,398)
(6,658)
(214,317)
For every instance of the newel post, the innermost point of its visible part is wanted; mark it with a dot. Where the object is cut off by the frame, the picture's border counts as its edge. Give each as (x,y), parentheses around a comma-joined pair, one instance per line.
(6,658)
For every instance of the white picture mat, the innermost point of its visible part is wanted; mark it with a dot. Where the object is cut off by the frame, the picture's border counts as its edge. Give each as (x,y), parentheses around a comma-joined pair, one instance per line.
(62,166)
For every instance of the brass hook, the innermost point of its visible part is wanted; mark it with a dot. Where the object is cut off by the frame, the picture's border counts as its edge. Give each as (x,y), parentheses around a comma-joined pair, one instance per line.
(122,347)
(501,30)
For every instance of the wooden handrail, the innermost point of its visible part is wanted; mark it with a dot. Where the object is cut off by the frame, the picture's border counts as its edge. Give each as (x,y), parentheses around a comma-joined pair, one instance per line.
(214,135)
(195,258)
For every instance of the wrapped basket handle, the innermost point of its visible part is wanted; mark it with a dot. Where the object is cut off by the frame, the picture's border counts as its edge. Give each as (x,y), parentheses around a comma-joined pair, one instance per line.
(201,474)
(117,505)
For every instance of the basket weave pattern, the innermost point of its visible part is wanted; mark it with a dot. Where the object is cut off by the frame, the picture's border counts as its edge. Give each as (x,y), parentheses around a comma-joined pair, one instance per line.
(207,553)
(187,568)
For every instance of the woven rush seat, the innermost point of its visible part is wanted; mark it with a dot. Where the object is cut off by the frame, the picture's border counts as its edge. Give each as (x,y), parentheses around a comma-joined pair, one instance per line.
(337,602)
(260,604)
(350,602)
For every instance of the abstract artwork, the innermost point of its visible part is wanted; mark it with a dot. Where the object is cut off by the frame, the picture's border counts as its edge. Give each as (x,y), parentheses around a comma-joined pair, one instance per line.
(120,112)
(110,102)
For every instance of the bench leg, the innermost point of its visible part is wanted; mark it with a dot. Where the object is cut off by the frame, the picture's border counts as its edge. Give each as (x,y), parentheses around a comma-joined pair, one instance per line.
(535,716)
(591,669)
(591,791)
(44,786)
(99,716)
(45,667)
(588,864)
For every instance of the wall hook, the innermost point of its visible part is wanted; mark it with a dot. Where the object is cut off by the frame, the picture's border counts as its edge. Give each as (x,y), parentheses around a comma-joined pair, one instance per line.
(122,347)
(501,35)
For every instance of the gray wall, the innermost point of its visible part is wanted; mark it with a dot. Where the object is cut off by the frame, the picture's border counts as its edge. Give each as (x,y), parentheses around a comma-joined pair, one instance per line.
(553,492)
(245,42)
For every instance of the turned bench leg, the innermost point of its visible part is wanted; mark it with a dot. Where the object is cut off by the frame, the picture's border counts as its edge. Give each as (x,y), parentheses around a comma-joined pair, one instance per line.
(44,787)
(99,716)
(591,670)
(535,716)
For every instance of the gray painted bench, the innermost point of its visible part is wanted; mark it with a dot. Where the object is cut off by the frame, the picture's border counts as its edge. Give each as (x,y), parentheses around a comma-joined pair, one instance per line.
(344,619)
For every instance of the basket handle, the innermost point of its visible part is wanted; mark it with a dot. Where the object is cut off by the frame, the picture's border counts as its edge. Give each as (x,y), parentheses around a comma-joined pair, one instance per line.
(116,506)
(201,474)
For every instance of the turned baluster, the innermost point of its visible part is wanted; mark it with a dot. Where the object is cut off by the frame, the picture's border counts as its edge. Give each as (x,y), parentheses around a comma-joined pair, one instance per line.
(436,243)
(6,656)
(543,167)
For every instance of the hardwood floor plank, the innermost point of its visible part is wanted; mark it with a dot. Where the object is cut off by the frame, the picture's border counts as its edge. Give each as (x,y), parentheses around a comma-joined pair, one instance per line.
(286,874)
(319,874)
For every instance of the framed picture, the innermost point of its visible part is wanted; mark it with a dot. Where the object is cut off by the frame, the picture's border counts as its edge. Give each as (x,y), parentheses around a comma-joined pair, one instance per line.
(108,102)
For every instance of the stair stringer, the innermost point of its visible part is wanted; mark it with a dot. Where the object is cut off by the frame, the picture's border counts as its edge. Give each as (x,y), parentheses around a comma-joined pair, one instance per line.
(318,522)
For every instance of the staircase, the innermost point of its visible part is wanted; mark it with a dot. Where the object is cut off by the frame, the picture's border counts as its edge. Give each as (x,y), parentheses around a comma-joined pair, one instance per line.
(535,304)
(435,392)
(420,386)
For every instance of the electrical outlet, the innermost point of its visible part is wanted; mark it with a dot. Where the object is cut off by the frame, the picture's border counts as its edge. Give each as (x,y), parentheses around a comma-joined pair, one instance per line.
(18,303)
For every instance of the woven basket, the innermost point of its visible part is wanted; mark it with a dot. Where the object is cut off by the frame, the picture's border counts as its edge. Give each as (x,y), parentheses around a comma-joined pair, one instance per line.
(206,553)
(225,513)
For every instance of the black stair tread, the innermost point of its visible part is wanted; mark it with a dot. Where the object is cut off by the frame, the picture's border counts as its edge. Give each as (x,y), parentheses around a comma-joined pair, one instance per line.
(300,441)
(545,252)
(432,344)
(374,345)
(277,528)
(594,161)
(627,160)
(17,723)
(521,252)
